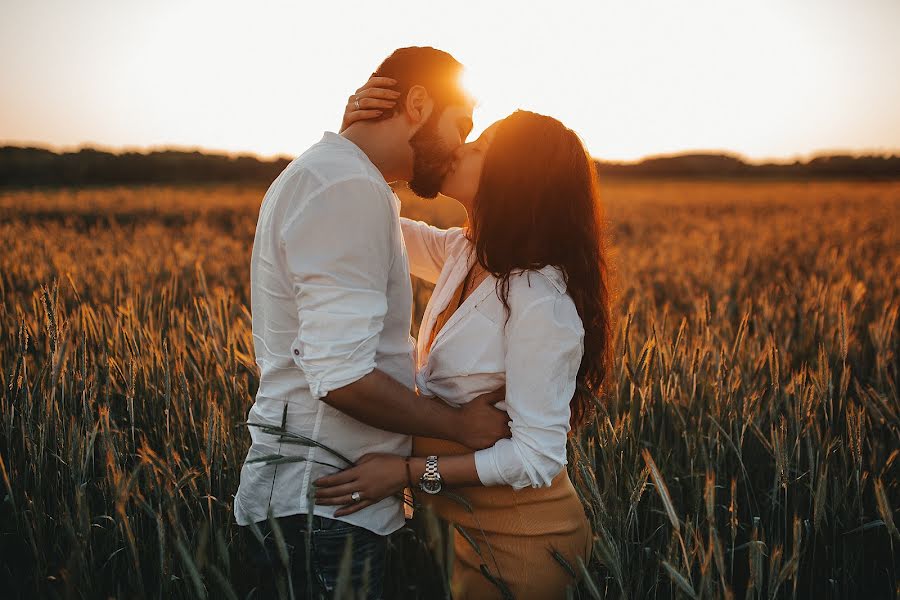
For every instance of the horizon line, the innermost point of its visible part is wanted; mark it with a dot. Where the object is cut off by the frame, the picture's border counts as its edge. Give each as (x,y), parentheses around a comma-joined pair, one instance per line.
(149,149)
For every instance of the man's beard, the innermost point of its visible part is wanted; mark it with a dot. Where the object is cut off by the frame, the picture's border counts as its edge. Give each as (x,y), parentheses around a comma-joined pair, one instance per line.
(431,159)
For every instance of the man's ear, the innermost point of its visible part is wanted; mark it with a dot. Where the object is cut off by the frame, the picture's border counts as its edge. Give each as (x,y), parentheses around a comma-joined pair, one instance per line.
(418,104)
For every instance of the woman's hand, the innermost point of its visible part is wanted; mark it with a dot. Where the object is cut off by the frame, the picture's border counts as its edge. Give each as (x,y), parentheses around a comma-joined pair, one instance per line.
(369,100)
(375,477)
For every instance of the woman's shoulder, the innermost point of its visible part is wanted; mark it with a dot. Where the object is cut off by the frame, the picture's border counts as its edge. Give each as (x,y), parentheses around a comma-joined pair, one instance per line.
(536,284)
(541,291)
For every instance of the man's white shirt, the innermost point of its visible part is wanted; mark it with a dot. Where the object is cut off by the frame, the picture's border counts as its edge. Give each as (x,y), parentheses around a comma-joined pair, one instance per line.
(331,301)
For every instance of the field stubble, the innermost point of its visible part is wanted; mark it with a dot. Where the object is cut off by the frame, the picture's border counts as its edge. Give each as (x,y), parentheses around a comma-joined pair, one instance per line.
(747,445)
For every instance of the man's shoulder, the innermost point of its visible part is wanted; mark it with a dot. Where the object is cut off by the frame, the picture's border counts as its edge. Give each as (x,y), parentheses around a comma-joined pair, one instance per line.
(317,175)
(330,163)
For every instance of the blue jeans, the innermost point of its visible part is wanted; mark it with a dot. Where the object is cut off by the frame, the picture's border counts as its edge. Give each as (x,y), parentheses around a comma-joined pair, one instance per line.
(316,576)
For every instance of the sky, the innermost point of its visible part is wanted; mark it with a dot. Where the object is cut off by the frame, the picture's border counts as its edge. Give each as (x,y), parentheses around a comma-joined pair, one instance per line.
(765,79)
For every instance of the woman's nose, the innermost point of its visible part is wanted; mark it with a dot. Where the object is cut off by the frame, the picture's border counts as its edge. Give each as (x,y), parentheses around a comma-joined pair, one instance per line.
(461,151)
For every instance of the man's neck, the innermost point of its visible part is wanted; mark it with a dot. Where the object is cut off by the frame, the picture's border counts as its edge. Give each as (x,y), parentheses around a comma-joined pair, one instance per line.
(377,144)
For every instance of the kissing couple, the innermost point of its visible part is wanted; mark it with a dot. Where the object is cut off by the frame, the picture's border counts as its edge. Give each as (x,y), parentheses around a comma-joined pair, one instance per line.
(512,351)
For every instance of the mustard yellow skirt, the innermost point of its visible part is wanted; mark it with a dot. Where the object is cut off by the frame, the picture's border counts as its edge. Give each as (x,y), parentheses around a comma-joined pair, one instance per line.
(516,531)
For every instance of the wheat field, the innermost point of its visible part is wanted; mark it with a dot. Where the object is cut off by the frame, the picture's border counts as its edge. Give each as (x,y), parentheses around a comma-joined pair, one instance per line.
(747,446)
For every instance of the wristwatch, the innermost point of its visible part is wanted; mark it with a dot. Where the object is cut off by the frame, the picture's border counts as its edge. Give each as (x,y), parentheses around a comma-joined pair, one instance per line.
(430,482)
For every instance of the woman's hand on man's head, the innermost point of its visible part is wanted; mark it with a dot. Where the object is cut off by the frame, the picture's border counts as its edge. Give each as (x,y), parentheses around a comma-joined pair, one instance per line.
(370,101)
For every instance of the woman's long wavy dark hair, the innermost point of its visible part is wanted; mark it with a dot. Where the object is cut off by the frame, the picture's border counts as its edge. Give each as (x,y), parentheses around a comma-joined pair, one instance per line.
(538,204)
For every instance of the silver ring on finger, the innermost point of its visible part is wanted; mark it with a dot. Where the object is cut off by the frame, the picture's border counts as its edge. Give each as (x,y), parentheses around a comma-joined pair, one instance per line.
(356,102)
(355,496)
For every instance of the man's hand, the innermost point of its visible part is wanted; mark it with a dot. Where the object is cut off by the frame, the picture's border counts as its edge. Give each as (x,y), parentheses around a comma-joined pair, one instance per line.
(384,403)
(481,423)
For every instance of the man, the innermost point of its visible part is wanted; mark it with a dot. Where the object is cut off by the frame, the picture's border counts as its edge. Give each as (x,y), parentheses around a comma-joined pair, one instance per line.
(331,304)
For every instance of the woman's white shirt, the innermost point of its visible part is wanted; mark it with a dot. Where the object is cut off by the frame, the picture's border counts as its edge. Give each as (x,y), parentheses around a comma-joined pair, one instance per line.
(536,354)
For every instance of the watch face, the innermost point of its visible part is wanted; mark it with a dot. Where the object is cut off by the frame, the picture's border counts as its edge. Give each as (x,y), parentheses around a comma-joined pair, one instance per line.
(431,486)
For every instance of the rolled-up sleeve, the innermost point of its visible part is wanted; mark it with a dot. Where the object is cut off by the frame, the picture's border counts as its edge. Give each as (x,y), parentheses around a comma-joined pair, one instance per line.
(338,251)
(426,246)
(545,344)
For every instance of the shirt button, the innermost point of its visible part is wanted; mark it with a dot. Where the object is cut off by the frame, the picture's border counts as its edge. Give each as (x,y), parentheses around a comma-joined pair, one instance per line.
(296,352)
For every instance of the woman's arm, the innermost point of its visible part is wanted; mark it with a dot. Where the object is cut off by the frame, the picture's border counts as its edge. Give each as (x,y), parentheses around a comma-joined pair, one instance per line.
(426,246)
(378,476)
(545,346)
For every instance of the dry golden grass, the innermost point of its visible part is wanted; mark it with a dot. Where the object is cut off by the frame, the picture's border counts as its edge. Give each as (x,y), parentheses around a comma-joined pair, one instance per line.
(747,446)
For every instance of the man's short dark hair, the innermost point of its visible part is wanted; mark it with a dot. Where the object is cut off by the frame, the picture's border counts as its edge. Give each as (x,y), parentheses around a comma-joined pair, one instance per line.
(435,70)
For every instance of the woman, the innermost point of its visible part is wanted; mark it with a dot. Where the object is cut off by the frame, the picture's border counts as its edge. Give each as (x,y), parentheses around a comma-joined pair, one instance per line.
(520,300)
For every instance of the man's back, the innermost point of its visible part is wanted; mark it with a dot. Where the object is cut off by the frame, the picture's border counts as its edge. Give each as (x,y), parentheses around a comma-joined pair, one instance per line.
(331,301)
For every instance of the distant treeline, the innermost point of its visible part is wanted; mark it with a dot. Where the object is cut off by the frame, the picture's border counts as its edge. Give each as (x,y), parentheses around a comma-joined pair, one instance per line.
(724,166)
(37,166)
